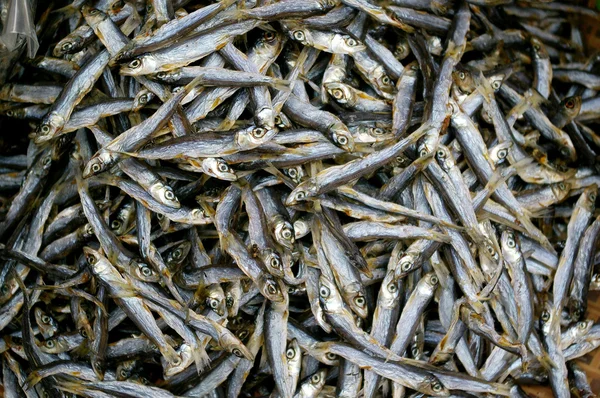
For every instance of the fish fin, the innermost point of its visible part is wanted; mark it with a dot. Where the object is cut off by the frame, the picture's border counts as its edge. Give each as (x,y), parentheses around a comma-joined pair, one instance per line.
(282,85)
(33,378)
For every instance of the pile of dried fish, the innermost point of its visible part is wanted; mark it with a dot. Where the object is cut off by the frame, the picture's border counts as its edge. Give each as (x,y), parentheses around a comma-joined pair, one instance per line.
(299,198)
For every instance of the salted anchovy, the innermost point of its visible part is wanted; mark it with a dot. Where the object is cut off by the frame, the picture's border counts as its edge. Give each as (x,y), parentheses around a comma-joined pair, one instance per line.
(309,198)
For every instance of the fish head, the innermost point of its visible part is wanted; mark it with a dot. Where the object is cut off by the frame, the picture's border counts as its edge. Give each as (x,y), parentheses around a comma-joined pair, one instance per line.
(218,168)
(142,98)
(49,127)
(93,16)
(125,369)
(273,262)
(341,93)
(231,343)
(272,289)
(539,50)
(295,173)
(254,136)
(346,44)
(571,106)
(303,192)
(341,136)
(99,163)
(560,190)
(389,291)
(434,386)
(444,158)
(178,253)
(142,65)
(144,273)
(354,295)
(284,233)
(329,296)
(165,195)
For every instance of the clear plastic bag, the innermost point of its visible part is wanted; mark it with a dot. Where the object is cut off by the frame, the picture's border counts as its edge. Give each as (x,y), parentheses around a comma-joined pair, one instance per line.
(19,24)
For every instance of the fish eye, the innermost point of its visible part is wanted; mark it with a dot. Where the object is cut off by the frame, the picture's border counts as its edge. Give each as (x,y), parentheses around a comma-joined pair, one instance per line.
(545,316)
(277,120)
(502,153)
(441,154)
(406,266)
(66,47)
(581,325)
(274,262)
(143,99)
(9,113)
(510,242)
(286,234)
(360,301)
(496,84)
(177,253)
(592,197)
(378,131)
(83,333)
(169,195)
(115,224)
(96,168)
(386,80)
(45,129)
(392,288)
(423,152)
(290,353)
(243,334)
(564,151)
(299,35)
(123,373)
(47,160)
(94,11)
(49,343)
(300,195)
(461,75)
(4,289)
(272,289)
(258,132)
(337,93)
(46,319)
(570,104)
(324,291)
(316,378)
(342,140)
(135,63)
(117,4)
(161,75)
(331,356)
(292,172)
(223,167)
(91,260)
(434,280)
(269,35)
(146,271)
(562,186)
(213,303)
(436,386)
(351,42)
(237,353)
